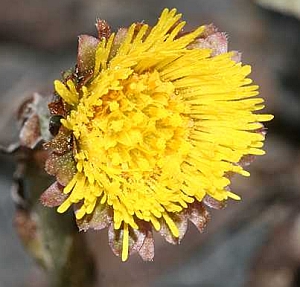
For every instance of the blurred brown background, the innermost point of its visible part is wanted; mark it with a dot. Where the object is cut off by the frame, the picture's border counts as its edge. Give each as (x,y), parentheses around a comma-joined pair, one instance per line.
(255,242)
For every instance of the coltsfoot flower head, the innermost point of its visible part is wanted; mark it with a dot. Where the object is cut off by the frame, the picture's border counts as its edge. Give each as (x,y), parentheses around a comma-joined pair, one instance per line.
(154,121)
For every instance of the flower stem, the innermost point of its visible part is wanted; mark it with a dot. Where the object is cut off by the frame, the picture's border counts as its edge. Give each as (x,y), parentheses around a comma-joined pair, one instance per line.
(51,239)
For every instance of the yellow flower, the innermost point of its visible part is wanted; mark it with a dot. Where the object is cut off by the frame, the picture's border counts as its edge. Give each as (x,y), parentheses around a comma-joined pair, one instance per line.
(159,125)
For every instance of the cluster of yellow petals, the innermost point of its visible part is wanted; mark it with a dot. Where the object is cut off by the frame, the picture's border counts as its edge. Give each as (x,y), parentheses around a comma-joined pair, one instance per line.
(159,126)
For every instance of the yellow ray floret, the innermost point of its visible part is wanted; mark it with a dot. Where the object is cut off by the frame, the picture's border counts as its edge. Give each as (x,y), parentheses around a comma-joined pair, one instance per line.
(159,126)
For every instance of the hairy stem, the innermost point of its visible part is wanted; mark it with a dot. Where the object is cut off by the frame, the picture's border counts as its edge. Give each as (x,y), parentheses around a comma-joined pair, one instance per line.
(51,239)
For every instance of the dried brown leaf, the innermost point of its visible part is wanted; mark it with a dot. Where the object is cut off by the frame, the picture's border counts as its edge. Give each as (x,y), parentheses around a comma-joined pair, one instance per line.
(118,40)
(217,42)
(209,30)
(87,46)
(136,239)
(53,196)
(61,143)
(198,215)
(181,222)
(62,166)
(30,134)
(147,249)
(103,29)
(213,203)
(57,107)
(99,219)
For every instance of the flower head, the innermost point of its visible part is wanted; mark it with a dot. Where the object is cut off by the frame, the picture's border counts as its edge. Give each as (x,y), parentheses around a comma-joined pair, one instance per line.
(154,121)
